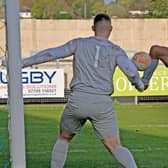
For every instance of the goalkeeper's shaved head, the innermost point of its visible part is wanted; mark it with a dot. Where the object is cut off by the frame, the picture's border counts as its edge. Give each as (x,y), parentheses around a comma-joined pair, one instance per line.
(102,25)
(100,17)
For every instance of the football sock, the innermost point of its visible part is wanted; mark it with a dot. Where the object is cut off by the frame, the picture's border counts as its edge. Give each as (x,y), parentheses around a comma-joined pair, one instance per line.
(59,154)
(124,156)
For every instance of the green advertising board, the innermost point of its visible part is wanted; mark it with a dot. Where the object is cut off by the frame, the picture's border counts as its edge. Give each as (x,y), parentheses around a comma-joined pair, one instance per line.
(158,84)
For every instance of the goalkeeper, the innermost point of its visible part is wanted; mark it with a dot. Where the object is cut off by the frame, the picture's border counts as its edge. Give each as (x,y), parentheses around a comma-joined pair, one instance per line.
(94,63)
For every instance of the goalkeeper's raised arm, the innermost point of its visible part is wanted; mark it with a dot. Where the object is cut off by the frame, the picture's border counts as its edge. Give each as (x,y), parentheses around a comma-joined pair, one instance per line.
(50,54)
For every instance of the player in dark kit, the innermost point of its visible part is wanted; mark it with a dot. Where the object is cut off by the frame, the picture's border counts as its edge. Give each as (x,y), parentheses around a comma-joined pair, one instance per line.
(157,53)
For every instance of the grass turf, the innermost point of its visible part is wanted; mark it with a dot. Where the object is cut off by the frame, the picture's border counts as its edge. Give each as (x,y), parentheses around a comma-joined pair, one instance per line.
(143,130)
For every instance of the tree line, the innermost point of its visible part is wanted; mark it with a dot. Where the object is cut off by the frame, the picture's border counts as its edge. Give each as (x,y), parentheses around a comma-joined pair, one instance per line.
(77,9)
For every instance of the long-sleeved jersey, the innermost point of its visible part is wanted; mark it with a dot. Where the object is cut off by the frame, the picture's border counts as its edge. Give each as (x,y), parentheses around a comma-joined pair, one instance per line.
(94,63)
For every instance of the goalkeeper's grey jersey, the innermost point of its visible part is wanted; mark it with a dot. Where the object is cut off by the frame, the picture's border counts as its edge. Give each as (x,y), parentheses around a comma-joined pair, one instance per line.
(94,63)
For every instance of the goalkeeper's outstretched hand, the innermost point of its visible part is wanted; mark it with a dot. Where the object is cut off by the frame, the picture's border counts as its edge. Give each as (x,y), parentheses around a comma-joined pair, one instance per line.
(139,86)
(139,89)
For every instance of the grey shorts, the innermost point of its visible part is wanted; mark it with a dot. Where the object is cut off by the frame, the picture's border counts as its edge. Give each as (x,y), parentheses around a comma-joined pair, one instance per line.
(95,108)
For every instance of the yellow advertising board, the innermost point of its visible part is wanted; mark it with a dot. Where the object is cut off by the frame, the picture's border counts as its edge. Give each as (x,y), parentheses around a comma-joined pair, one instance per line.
(158,84)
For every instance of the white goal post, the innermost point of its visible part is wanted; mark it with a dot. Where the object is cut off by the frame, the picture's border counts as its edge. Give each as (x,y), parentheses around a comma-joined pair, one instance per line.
(16,107)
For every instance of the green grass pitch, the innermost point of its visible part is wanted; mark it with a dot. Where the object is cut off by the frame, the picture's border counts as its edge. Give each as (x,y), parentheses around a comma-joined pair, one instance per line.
(143,129)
